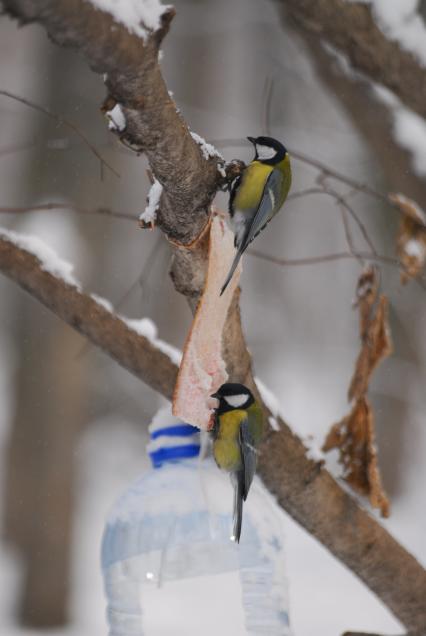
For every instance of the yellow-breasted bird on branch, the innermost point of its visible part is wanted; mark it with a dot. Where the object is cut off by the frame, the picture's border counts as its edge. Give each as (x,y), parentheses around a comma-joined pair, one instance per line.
(258,194)
(237,430)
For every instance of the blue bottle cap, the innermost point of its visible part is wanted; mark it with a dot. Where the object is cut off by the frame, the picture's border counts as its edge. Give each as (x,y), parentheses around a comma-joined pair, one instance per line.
(171,440)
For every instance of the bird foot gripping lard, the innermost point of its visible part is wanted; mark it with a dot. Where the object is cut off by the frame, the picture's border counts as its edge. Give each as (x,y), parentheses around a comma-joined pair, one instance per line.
(202,370)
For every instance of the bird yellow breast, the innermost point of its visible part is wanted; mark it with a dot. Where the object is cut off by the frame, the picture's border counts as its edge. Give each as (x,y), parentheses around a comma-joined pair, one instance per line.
(226,447)
(253,182)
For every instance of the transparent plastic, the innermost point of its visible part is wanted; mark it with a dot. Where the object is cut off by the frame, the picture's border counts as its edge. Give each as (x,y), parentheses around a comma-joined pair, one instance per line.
(170,566)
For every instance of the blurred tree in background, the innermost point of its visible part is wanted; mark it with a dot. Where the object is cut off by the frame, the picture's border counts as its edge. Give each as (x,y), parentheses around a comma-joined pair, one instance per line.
(308,72)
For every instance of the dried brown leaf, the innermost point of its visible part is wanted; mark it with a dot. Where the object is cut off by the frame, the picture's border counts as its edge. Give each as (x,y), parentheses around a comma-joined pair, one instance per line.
(354,438)
(376,345)
(411,238)
(409,208)
(354,435)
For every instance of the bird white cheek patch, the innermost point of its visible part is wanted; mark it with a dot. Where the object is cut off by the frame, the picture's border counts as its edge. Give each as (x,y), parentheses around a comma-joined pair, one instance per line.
(265,152)
(202,370)
(236,400)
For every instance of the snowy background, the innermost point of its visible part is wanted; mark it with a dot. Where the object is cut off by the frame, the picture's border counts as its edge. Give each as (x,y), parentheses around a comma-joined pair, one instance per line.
(300,326)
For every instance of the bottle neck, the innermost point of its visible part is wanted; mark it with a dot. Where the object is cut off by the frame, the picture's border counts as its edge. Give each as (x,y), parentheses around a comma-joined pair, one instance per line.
(172,442)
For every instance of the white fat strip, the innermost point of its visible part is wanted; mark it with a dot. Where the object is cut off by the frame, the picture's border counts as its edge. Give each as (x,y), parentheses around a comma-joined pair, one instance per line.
(236,400)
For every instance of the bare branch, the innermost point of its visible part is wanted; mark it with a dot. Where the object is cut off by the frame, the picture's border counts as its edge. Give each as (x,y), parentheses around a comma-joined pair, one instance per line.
(134,80)
(326,258)
(371,634)
(52,206)
(10,150)
(323,168)
(135,353)
(344,204)
(348,233)
(302,487)
(61,120)
(351,28)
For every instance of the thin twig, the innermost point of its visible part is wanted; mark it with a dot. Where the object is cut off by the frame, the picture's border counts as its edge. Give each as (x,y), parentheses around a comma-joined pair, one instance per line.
(65,122)
(327,258)
(267,103)
(307,491)
(342,201)
(357,185)
(348,233)
(9,150)
(305,488)
(45,207)
(140,281)
(313,260)
(143,276)
(304,193)
(315,163)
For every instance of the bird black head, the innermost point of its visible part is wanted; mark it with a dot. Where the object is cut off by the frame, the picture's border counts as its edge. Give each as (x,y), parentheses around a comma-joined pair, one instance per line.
(268,150)
(233,396)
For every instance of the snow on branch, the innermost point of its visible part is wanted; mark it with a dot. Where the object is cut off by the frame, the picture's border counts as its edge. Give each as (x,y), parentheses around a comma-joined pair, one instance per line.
(133,80)
(35,267)
(149,215)
(148,329)
(138,16)
(391,51)
(47,257)
(50,262)
(400,21)
(271,402)
(302,487)
(207,149)
(116,118)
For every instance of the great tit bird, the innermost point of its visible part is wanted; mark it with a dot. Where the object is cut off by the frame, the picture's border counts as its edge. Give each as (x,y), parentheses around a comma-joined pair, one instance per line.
(258,194)
(237,430)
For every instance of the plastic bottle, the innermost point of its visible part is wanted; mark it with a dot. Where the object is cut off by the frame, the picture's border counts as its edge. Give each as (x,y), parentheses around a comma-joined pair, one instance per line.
(169,564)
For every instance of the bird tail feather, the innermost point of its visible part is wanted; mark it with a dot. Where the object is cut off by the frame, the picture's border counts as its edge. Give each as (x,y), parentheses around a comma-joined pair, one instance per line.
(232,270)
(238,506)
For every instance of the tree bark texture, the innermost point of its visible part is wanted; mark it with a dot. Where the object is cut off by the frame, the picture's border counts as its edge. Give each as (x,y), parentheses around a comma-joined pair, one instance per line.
(302,487)
(350,27)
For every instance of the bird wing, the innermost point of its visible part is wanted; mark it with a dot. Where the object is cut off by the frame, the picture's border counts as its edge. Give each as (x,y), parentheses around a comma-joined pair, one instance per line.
(238,480)
(269,204)
(234,189)
(248,455)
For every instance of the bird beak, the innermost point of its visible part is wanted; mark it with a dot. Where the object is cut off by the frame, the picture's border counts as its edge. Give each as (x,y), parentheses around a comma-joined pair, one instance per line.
(252,140)
(215,395)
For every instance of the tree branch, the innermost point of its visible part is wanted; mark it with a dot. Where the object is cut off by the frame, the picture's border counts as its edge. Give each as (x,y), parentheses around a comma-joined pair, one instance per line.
(302,487)
(134,80)
(111,334)
(351,28)
(371,634)
(52,206)
(65,122)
